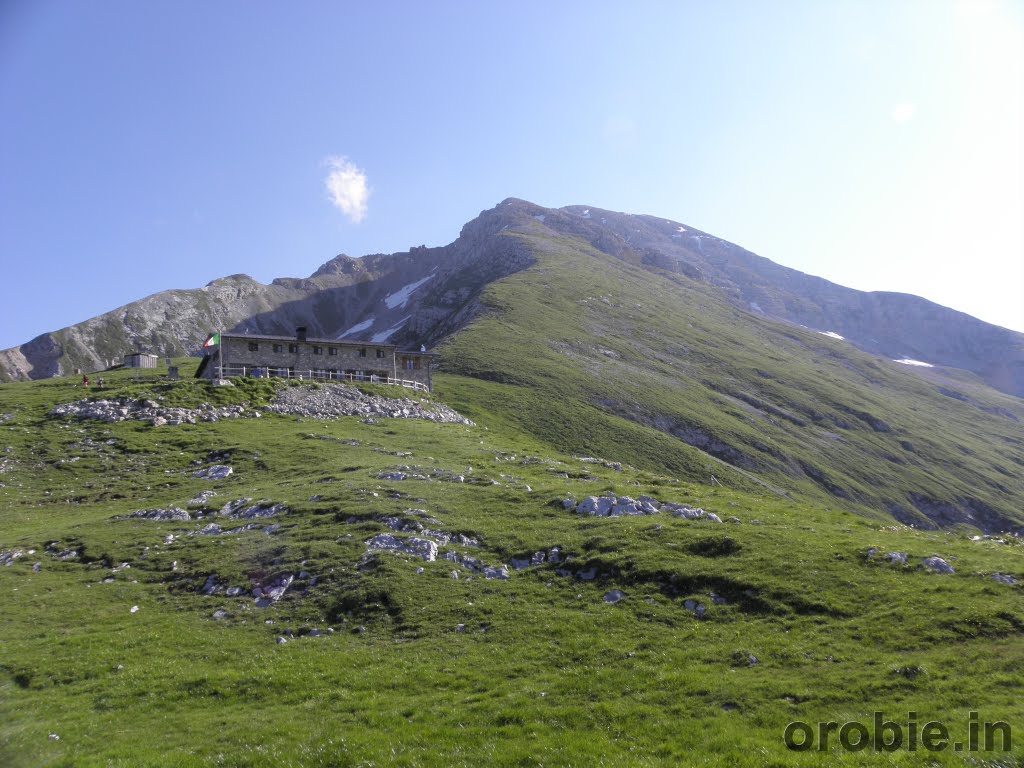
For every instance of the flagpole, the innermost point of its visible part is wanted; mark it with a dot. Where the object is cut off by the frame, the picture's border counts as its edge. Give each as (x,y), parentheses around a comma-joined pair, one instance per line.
(220,353)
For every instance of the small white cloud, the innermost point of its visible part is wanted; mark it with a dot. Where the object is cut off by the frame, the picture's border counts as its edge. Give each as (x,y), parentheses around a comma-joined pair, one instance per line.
(901,113)
(347,188)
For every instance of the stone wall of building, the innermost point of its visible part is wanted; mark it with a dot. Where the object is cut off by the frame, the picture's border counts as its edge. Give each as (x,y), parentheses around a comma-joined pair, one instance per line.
(311,358)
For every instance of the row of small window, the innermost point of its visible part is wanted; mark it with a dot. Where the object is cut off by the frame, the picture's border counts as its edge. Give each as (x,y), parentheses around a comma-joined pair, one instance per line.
(254,346)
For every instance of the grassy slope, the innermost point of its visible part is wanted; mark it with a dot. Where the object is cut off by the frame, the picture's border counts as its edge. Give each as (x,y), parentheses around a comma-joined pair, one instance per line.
(545,672)
(583,338)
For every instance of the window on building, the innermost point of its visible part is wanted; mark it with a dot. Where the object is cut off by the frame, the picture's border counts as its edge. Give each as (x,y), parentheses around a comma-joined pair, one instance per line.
(293,348)
(380,353)
(254,346)
(279,348)
(332,351)
(318,350)
(407,363)
(362,351)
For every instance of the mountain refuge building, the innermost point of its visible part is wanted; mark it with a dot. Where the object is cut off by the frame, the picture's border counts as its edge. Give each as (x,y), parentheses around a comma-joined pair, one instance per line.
(140,360)
(300,357)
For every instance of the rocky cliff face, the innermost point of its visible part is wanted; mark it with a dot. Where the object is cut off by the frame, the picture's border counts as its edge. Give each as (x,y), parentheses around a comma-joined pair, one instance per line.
(425,294)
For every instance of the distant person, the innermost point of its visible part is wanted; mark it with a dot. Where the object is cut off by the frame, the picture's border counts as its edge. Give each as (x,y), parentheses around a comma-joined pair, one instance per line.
(85,381)
(99,382)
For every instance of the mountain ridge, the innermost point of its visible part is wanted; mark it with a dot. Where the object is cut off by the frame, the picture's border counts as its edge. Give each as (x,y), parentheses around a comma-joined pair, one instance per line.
(894,325)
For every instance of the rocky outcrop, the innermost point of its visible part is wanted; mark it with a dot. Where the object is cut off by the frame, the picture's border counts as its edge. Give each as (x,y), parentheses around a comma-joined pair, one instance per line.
(324,401)
(626,506)
(329,401)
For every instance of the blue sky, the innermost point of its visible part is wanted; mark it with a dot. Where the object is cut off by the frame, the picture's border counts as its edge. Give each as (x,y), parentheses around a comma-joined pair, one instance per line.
(160,145)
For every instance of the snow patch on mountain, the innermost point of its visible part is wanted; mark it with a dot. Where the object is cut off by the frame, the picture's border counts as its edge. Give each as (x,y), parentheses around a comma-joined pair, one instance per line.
(908,361)
(401,297)
(377,338)
(356,328)
(832,335)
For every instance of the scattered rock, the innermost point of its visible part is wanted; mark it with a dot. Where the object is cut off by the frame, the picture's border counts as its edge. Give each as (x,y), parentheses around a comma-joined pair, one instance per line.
(1003,578)
(126,409)
(614,596)
(330,401)
(171,513)
(896,557)
(281,640)
(386,542)
(134,609)
(496,572)
(238,509)
(7,558)
(937,565)
(216,472)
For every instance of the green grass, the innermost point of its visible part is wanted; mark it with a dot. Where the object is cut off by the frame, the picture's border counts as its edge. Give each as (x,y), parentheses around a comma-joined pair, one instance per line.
(591,353)
(545,672)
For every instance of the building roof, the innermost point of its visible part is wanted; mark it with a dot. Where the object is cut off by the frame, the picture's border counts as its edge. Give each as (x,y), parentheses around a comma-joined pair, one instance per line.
(331,342)
(141,354)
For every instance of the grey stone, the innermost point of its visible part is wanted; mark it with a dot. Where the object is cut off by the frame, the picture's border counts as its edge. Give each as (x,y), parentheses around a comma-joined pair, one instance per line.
(173,513)
(937,565)
(614,596)
(496,572)
(1003,578)
(386,542)
(896,557)
(681,510)
(216,472)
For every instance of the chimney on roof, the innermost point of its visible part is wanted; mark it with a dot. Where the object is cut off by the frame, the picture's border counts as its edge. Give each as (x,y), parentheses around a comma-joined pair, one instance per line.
(300,333)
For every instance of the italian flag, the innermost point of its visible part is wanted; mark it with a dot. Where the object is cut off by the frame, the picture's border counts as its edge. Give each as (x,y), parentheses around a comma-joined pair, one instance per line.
(213,341)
